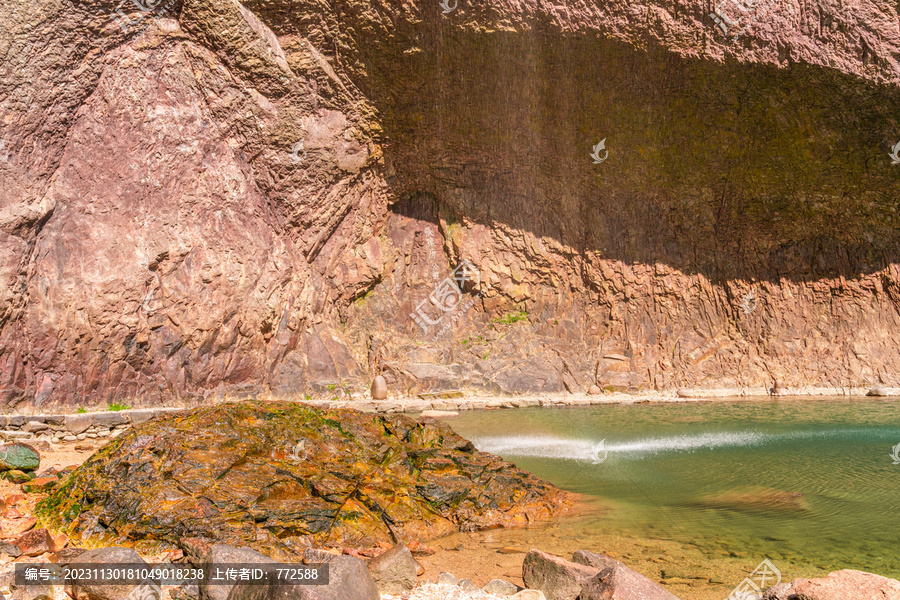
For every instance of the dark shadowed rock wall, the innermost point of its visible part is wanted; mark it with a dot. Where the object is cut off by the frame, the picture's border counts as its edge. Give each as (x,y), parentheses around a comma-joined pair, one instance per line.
(207,198)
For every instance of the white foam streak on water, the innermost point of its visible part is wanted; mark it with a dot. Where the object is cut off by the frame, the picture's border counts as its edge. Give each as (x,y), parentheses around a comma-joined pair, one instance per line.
(583,450)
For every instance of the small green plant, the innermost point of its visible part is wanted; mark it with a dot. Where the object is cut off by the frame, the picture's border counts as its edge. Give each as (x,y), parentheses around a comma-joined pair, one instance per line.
(308,397)
(116,407)
(512,317)
(81,410)
(331,387)
(464,342)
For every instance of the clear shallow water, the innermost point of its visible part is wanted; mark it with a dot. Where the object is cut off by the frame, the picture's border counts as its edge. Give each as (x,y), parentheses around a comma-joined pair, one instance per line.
(808,483)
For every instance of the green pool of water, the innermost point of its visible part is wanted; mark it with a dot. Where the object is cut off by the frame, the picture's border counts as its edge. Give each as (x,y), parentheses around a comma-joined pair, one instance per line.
(809,484)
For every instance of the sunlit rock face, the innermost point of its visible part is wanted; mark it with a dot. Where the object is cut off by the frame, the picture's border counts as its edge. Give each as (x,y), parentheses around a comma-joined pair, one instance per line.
(206,199)
(279,477)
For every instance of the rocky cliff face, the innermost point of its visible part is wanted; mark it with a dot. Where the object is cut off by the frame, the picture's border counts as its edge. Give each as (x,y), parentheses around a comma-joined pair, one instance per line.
(202,197)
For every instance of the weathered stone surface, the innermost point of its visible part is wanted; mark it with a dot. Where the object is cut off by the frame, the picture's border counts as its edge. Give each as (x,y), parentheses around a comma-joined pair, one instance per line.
(394,571)
(529,595)
(500,587)
(76,423)
(19,456)
(12,527)
(556,577)
(10,549)
(40,485)
(86,590)
(361,479)
(348,580)
(840,585)
(221,554)
(34,542)
(292,181)
(615,581)
(379,388)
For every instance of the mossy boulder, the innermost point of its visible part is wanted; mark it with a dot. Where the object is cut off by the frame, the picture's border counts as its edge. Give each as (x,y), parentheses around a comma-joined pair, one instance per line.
(278,477)
(20,457)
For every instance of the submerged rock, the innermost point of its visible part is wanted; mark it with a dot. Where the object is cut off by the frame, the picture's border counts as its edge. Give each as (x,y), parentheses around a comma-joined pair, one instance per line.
(230,474)
(757,499)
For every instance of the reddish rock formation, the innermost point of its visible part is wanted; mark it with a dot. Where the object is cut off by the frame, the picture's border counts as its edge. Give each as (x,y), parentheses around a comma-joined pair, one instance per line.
(213,199)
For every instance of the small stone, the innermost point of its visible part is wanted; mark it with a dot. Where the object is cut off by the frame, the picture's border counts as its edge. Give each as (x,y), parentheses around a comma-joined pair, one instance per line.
(778,389)
(19,456)
(878,390)
(92,436)
(512,550)
(83,447)
(18,526)
(16,476)
(500,587)
(34,542)
(439,414)
(58,542)
(594,390)
(448,579)
(70,438)
(81,436)
(394,571)
(685,393)
(467,585)
(34,426)
(103,433)
(379,388)
(40,485)
(10,549)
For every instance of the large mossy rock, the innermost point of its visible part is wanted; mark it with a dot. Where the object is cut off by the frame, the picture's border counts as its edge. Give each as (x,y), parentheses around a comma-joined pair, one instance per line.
(279,476)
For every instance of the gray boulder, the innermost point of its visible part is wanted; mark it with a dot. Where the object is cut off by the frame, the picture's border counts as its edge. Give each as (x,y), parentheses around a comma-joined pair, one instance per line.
(348,579)
(499,587)
(394,571)
(558,578)
(615,581)
(221,554)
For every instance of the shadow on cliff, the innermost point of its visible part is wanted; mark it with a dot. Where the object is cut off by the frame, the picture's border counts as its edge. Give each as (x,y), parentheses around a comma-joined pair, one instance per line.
(733,171)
